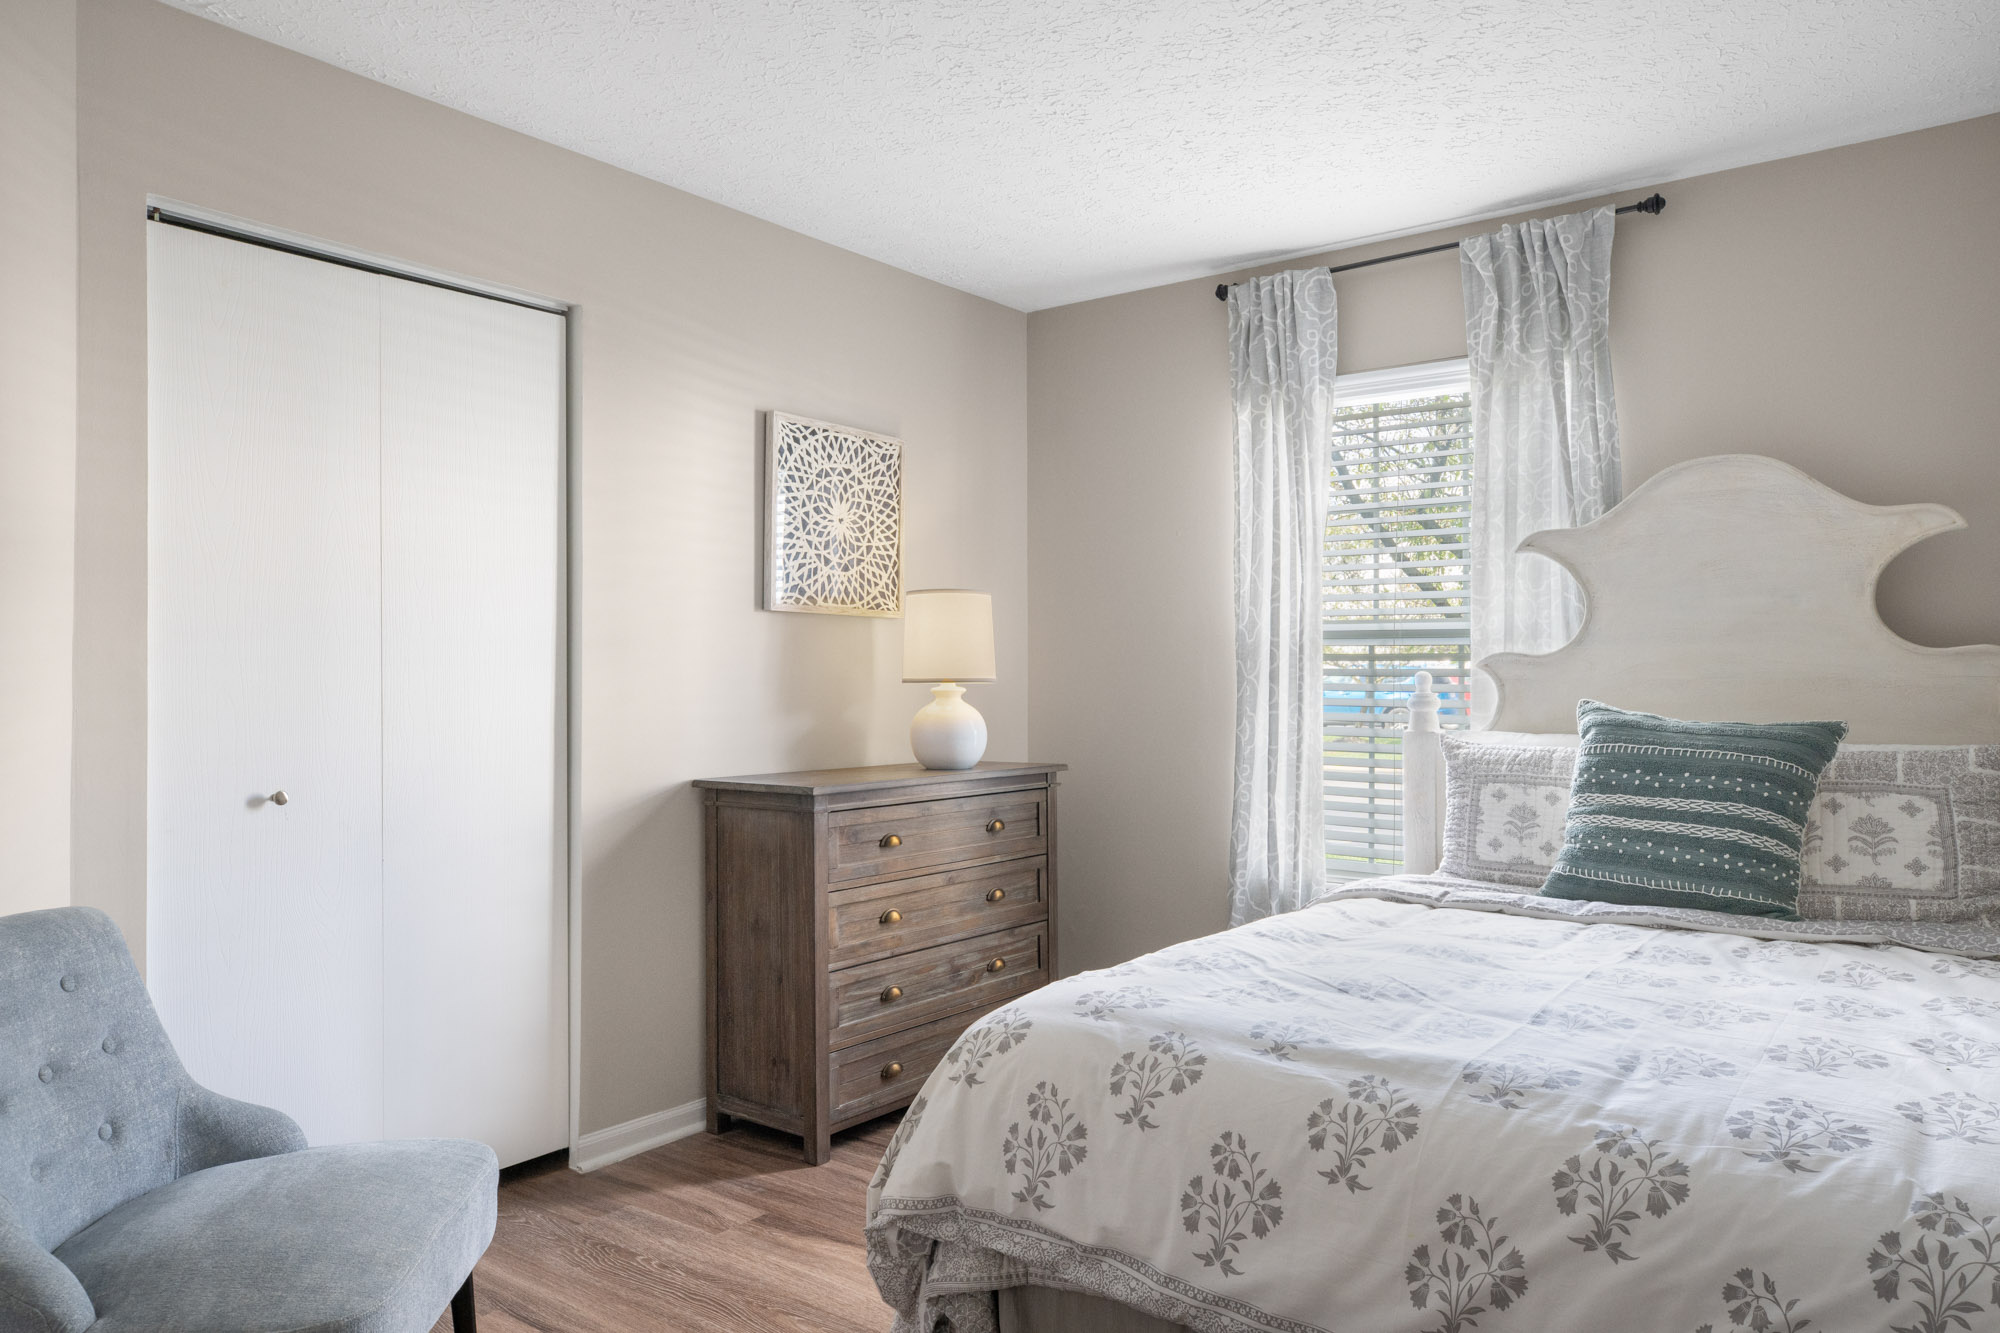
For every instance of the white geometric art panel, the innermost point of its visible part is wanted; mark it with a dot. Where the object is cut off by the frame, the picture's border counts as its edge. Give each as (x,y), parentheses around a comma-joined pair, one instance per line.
(833,519)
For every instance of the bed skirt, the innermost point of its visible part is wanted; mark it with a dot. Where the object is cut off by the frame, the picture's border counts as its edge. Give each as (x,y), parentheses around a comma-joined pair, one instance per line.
(1046,1310)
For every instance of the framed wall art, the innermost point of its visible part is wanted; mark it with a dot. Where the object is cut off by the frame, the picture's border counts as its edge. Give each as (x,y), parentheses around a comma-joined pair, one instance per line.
(833,519)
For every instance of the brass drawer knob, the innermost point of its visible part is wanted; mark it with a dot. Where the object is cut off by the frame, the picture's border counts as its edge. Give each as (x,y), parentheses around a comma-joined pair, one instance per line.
(997,965)
(892,1070)
(996,826)
(891,917)
(891,840)
(892,994)
(996,895)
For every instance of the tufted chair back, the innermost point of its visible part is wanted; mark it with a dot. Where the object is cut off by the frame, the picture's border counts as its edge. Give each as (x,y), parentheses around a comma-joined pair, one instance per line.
(90,1088)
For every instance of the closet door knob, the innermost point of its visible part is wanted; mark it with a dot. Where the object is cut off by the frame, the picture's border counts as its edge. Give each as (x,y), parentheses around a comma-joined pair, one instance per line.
(891,840)
(278,797)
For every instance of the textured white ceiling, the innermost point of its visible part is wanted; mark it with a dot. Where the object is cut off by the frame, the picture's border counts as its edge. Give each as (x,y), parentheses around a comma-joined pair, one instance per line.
(1045,151)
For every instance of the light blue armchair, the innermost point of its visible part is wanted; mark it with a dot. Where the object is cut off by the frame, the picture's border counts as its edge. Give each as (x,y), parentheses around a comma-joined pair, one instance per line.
(132,1198)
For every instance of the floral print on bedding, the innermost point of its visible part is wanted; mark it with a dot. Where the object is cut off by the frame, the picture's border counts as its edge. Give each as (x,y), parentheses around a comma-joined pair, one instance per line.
(1432,1106)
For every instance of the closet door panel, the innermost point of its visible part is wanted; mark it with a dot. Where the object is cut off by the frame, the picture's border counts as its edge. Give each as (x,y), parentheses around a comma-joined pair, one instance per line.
(264,920)
(475,905)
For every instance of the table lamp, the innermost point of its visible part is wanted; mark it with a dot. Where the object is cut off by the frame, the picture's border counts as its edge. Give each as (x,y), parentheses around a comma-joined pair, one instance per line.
(948,640)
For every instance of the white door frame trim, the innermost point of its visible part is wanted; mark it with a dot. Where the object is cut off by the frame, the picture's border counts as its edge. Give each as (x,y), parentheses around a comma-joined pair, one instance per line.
(572,501)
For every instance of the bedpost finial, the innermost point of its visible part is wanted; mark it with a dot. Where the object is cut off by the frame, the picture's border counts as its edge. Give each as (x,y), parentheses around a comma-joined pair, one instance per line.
(1423,704)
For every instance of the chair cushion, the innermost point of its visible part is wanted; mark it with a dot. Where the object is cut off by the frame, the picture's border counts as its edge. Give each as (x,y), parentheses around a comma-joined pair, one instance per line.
(359,1238)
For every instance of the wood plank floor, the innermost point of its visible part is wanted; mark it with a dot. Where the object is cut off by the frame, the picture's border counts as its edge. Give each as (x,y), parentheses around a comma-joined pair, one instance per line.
(715,1232)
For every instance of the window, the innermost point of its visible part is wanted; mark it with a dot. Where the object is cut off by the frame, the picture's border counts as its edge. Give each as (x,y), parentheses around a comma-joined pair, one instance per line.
(1395,593)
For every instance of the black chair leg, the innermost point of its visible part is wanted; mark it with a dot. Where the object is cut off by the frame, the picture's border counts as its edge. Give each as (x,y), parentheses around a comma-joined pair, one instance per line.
(464,1318)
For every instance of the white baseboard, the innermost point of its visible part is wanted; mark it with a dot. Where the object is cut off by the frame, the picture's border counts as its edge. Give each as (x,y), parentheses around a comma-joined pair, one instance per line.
(602,1147)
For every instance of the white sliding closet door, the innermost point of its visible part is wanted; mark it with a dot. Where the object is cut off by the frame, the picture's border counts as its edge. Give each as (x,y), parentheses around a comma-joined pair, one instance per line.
(355,508)
(264,922)
(476,944)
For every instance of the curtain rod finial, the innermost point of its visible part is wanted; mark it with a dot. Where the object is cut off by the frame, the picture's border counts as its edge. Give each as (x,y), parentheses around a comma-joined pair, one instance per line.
(1222,291)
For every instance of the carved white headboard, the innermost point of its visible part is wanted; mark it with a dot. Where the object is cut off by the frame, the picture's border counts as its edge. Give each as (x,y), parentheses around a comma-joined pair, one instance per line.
(1729,588)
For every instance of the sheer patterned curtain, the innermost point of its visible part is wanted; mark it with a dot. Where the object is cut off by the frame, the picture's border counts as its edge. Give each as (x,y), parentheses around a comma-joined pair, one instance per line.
(1281,369)
(1544,425)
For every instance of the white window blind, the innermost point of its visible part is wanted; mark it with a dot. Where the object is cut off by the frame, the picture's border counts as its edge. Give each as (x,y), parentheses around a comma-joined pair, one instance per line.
(1395,593)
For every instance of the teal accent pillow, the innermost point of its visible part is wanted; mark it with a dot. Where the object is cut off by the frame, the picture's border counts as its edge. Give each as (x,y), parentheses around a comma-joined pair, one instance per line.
(1711,815)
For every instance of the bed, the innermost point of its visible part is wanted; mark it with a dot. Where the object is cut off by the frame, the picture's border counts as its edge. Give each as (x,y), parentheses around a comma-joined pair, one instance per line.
(1440,1103)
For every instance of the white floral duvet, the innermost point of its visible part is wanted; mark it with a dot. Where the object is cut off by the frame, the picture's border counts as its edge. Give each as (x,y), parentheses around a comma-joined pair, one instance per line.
(1383,1113)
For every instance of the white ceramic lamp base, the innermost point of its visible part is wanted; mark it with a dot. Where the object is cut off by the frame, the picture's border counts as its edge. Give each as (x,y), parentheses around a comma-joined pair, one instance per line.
(948,732)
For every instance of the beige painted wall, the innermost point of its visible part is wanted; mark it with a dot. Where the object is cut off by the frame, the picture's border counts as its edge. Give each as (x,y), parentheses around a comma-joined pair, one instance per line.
(37,445)
(688,320)
(1840,311)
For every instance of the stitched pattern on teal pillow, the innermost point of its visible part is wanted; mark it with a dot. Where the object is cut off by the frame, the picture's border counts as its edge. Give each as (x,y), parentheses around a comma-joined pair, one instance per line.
(1665,813)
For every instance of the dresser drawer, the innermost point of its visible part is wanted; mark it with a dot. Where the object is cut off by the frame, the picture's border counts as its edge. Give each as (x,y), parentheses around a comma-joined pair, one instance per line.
(889,1070)
(915,987)
(904,914)
(888,840)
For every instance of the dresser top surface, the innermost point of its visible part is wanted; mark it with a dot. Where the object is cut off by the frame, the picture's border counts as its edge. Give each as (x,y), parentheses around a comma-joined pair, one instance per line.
(880,777)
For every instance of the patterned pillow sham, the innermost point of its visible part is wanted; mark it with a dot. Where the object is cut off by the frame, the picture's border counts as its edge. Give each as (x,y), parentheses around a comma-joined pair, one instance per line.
(1897,832)
(1669,813)
(1505,800)
(1905,833)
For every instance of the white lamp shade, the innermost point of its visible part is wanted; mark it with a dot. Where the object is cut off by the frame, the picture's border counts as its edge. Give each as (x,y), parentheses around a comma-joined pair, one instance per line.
(947,635)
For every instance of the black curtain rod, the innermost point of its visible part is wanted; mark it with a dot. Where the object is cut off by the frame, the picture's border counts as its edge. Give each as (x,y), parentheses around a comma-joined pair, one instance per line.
(1656,203)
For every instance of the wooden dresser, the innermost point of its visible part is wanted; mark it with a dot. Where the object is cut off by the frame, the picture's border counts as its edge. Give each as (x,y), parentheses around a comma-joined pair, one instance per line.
(859,919)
